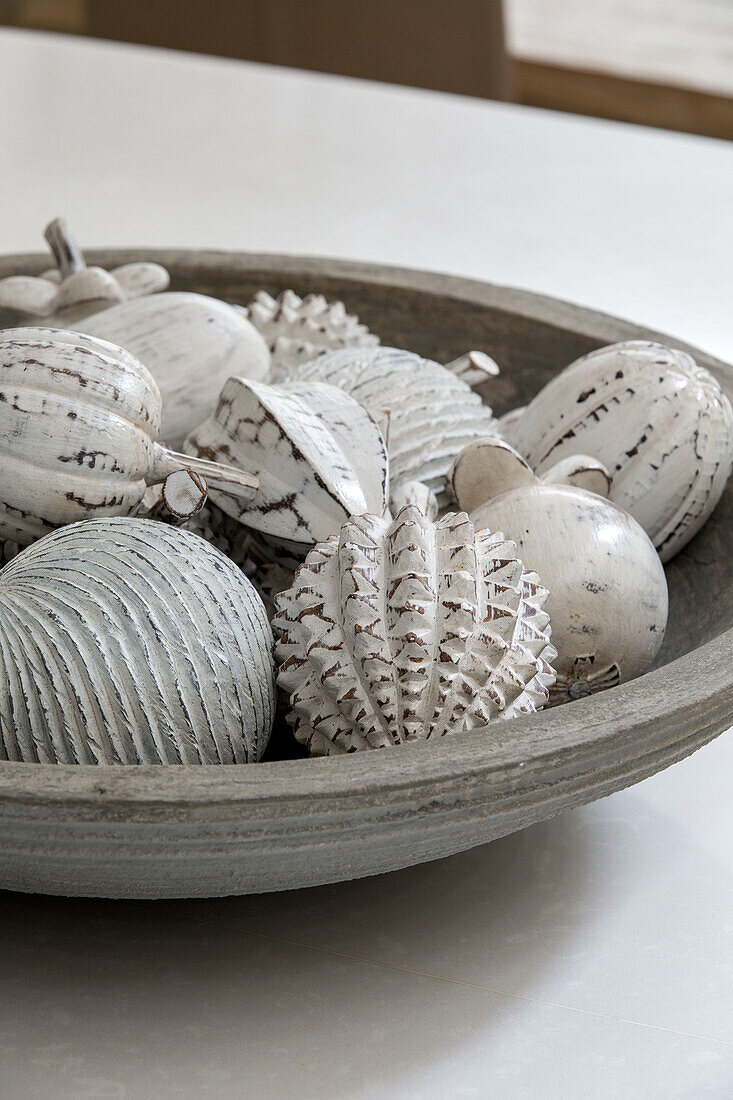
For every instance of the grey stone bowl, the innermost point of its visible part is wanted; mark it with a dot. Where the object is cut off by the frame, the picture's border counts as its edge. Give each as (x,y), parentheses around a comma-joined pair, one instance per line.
(158,832)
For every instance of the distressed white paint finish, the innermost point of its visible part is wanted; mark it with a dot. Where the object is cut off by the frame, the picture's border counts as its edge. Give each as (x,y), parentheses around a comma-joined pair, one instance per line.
(79,419)
(191,344)
(126,641)
(432,413)
(299,329)
(607,589)
(409,630)
(71,291)
(658,421)
(318,455)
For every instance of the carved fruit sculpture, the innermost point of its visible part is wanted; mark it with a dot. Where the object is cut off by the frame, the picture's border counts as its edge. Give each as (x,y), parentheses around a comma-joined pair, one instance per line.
(659,422)
(607,589)
(410,630)
(126,641)
(79,420)
(73,291)
(432,413)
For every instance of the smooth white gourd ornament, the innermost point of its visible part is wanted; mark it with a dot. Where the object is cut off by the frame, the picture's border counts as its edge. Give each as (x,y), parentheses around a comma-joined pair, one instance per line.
(73,291)
(190,344)
(659,422)
(297,329)
(318,455)
(79,419)
(607,589)
(433,414)
(126,641)
(406,630)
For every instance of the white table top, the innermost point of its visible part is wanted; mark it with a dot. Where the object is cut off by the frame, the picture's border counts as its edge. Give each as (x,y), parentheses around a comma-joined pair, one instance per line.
(591,955)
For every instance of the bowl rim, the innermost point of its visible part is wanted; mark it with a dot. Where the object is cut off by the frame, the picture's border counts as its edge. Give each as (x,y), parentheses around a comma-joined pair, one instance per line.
(666,713)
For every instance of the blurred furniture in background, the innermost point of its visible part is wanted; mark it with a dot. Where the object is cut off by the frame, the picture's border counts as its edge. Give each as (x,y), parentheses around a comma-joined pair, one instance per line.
(665,63)
(452,47)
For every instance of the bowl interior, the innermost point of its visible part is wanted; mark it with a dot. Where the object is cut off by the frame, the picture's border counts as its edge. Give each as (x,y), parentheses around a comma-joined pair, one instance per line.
(530,336)
(516,329)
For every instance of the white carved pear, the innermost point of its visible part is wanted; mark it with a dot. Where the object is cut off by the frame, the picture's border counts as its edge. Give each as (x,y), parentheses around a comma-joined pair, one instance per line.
(318,455)
(659,422)
(127,641)
(433,414)
(191,344)
(409,630)
(79,419)
(607,589)
(72,290)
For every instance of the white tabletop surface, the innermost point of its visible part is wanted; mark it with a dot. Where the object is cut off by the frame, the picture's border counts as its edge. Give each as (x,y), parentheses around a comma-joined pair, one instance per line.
(588,956)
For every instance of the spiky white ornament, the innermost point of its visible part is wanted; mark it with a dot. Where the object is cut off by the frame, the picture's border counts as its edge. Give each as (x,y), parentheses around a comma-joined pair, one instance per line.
(432,413)
(298,329)
(410,630)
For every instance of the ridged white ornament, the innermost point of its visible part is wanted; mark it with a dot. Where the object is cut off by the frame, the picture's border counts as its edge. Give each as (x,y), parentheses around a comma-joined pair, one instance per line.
(298,329)
(126,641)
(318,455)
(659,422)
(408,630)
(191,344)
(432,413)
(78,424)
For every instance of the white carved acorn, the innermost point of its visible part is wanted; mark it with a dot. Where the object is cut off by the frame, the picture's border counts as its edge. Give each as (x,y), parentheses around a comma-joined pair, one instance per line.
(433,414)
(607,589)
(73,291)
(126,641)
(657,420)
(79,419)
(298,329)
(405,630)
(191,344)
(318,455)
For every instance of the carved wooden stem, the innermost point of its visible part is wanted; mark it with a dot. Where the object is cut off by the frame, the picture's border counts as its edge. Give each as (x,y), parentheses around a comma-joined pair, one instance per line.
(66,251)
(227,479)
(474,367)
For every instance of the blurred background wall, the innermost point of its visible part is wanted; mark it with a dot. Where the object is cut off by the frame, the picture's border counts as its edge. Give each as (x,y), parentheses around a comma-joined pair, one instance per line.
(666,63)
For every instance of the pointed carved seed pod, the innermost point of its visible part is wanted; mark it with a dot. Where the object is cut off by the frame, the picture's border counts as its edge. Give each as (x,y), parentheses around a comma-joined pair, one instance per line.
(73,291)
(126,641)
(432,413)
(657,421)
(298,329)
(408,630)
(318,455)
(607,589)
(78,424)
(190,344)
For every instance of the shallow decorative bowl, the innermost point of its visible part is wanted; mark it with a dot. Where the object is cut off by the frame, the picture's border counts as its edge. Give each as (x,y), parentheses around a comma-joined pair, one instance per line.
(202,831)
